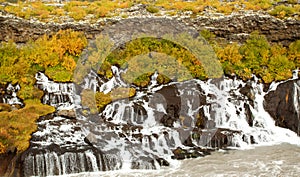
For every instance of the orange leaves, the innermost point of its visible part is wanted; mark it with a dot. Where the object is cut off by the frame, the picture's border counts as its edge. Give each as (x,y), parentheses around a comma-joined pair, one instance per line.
(68,63)
(58,52)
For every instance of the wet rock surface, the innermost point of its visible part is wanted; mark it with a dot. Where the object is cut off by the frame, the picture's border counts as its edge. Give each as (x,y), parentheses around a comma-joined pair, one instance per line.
(178,120)
(283,104)
(174,121)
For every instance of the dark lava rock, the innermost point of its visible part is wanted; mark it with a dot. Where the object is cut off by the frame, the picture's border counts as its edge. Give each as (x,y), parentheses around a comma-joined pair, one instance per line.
(249,115)
(9,163)
(162,162)
(173,100)
(248,91)
(283,105)
(181,154)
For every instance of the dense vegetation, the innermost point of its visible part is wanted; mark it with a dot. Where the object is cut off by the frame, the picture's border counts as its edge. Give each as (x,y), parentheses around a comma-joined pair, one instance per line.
(140,66)
(57,56)
(270,62)
(92,10)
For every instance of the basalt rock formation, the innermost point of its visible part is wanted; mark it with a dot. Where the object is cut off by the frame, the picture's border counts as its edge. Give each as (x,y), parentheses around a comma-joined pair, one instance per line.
(234,27)
(283,104)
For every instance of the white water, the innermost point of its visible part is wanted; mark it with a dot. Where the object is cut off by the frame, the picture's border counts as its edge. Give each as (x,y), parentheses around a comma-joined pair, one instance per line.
(12,98)
(276,160)
(224,108)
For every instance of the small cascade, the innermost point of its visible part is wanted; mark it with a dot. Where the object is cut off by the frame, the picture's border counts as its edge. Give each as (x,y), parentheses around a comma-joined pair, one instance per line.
(114,82)
(296,102)
(296,73)
(92,81)
(10,95)
(177,120)
(62,163)
(59,95)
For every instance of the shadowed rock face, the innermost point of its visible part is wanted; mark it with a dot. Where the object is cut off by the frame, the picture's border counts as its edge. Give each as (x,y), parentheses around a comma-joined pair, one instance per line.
(283,105)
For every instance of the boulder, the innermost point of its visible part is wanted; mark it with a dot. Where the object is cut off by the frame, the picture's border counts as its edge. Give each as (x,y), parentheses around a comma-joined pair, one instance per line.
(70,114)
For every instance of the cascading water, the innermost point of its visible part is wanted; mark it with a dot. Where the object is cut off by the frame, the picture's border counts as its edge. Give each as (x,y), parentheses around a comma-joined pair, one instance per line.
(59,95)
(10,95)
(177,120)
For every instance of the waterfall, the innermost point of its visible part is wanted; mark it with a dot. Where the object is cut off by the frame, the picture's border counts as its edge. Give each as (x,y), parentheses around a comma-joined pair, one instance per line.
(161,122)
(296,102)
(10,96)
(59,95)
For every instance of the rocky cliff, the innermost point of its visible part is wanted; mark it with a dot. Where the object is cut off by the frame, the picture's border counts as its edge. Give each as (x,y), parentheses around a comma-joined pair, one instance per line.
(233,27)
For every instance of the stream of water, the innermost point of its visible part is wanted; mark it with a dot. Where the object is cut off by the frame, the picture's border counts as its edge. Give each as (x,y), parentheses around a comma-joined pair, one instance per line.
(272,160)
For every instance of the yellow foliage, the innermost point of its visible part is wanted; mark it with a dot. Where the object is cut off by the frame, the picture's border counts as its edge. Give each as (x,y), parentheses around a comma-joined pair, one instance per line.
(68,63)
(2,148)
(16,126)
(78,13)
(230,53)
(106,8)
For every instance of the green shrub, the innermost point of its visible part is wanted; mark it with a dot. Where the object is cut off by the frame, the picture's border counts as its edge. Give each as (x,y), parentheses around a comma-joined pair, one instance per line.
(282,11)
(294,53)
(135,57)
(152,9)
(257,56)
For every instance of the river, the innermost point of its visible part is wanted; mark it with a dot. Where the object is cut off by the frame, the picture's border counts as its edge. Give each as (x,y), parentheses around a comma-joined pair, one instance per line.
(273,160)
